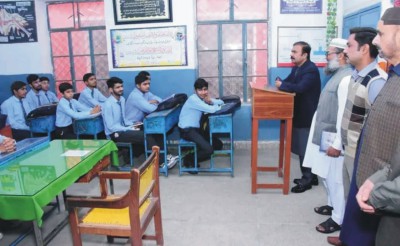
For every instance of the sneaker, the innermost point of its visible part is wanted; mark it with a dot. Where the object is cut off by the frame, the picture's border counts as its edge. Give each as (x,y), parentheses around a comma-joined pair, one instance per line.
(1,235)
(172,161)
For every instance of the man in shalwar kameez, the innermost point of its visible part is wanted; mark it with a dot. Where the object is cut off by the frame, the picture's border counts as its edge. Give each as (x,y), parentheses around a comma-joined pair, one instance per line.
(329,164)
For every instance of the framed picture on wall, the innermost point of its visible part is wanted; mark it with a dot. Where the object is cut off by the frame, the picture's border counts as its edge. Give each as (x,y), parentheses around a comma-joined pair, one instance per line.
(315,36)
(149,47)
(142,11)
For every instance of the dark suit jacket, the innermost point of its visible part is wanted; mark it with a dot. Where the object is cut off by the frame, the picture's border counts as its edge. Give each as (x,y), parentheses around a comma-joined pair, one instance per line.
(305,81)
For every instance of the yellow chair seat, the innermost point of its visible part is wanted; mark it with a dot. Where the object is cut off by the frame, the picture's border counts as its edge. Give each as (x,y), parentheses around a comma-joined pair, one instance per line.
(110,216)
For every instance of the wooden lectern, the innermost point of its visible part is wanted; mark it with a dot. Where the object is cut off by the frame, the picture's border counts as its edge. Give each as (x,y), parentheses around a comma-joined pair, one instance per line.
(270,103)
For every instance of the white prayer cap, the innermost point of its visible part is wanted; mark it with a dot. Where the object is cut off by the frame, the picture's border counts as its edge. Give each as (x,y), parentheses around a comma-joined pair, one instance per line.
(339,43)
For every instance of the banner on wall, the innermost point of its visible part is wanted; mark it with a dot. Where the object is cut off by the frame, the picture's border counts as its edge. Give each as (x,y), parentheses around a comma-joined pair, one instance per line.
(147,47)
(301,6)
(315,36)
(17,22)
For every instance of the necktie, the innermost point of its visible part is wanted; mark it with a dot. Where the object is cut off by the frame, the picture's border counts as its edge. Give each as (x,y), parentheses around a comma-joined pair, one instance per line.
(23,109)
(70,105)
(38,98)
(47,97)
(93,93)
(122,115)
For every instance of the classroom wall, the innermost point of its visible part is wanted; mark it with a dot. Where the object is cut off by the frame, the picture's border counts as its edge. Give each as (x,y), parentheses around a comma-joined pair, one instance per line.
(18,60)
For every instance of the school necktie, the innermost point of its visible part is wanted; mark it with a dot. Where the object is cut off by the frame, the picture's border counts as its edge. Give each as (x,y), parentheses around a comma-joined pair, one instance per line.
(23,109)
(70,105)
(92,93)
(38,98)
(47,96)
(122,115)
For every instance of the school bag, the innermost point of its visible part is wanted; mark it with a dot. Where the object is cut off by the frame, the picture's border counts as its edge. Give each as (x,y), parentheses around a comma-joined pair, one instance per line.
(172,101)
(44,110)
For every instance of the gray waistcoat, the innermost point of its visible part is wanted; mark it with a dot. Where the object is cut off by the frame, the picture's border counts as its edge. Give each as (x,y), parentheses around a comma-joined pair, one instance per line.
(328,105)
(381,132)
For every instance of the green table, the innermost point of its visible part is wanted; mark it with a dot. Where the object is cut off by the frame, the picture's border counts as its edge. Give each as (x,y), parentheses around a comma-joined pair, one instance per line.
(29,182)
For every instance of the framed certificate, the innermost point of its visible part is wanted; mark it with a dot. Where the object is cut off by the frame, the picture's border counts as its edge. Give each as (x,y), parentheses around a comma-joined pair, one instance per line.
(142,11)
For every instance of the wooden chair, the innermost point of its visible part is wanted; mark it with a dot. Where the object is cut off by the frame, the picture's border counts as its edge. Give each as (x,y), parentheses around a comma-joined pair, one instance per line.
(127,215)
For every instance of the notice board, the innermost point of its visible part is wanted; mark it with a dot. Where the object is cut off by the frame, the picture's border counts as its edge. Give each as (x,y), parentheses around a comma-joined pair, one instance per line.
(149,47)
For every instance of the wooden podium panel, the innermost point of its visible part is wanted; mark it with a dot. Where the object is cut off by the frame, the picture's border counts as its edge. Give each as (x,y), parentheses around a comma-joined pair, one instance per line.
(270,103)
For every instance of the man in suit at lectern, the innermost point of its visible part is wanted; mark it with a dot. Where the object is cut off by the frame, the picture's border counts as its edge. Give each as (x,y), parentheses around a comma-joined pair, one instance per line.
(305,81)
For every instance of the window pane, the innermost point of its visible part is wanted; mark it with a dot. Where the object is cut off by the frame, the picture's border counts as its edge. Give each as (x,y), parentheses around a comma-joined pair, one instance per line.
(233,63)
(59,43)
(91,14)
(232,37)
(207,37)
(99,42)
(61,15)
(82,65)
(233,86)
(101,63)
(102,86)
(257,36)
(80,43)
(62,68)
(208,63)
(213,87)
(255,11)
(257,62)
(212,10)
(80,86)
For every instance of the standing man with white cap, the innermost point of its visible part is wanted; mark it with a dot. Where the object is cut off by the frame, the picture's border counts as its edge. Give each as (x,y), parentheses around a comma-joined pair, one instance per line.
(328,164)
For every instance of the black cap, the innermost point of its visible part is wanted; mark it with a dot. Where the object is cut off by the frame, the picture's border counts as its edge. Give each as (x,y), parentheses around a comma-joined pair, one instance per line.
(391,16)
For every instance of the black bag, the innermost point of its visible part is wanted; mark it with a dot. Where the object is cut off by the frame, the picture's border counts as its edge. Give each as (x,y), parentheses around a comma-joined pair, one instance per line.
(171,101)
(45,110)
(231,103)
(3,119)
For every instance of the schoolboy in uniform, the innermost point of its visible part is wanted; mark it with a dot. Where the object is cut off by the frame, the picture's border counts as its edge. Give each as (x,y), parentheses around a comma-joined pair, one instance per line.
(117,127)
(91,96)
(35,97)
(17,108)
(189,120)
(141,101)
(50,96)
(69,109)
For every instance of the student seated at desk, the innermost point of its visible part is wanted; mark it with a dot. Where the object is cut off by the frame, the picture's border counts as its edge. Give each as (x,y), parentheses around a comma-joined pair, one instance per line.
(117,127)
(141,101)
(189,122)
(16,108)
(50,96)
(35,97)
(69,109)
(91,96)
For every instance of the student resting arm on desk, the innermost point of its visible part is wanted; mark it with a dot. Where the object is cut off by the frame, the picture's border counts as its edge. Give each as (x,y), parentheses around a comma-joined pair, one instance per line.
(141,101)
(189,121)
(69,109)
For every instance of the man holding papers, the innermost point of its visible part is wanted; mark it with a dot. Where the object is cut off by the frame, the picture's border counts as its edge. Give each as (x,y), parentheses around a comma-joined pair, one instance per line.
(325,126)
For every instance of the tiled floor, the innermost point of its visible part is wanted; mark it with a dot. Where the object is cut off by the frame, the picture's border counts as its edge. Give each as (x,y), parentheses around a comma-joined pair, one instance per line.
(216,209)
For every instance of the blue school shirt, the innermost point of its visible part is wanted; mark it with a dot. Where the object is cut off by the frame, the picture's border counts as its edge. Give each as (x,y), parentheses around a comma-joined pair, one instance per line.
(15,115)
(138,106)
(90,100)
(193,108)
(113,120)
(65,113)
(50,97)
(33,99)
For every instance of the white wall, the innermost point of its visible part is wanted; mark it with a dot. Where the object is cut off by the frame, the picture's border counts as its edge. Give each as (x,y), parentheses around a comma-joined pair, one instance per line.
(183,14)
(292,20)
(25,58)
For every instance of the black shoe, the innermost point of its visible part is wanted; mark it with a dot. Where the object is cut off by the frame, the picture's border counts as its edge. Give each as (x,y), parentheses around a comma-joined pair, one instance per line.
(300,188)
(314,181)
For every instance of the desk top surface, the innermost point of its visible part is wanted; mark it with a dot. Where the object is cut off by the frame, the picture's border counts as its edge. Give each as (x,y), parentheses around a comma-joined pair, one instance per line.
(163,113)
(28,174)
